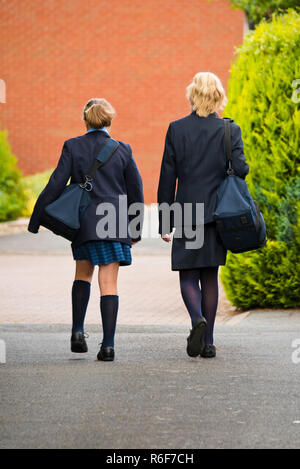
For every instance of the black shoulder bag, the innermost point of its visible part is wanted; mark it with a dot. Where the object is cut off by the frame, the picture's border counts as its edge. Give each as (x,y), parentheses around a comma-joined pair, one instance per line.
(239,221)
(62,216)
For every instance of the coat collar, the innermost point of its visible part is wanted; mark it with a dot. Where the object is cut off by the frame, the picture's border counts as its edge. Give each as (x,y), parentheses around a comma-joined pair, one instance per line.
(98,130)
(213,114)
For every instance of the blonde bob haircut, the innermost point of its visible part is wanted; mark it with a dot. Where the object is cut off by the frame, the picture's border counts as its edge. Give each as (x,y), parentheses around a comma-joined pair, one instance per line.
(98,113)
(206,94)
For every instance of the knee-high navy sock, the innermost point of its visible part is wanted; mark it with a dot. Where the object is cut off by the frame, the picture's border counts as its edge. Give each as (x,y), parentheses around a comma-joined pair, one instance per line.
(109,305)
(191,293)
(80,298)
(210,294)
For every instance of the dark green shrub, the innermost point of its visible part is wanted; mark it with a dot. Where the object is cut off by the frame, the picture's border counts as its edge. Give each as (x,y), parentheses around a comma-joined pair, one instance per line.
(260,101)
(12,195)
(258,9)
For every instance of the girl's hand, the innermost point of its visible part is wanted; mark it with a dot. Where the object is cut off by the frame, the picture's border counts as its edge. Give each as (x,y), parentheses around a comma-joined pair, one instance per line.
(167,238)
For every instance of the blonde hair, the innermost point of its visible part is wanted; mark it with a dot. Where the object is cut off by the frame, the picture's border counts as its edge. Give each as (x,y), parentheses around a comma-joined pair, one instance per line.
(98,113)
(206,93)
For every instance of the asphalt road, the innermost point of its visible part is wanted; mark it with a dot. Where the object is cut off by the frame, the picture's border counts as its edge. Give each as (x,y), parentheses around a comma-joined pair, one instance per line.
(153,395)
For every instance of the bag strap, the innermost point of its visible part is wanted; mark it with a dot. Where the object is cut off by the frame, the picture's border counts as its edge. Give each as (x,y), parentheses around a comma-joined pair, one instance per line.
(106,151)
(230,170)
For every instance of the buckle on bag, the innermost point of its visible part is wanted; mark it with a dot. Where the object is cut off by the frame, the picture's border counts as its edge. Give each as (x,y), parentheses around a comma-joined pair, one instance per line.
(87,184)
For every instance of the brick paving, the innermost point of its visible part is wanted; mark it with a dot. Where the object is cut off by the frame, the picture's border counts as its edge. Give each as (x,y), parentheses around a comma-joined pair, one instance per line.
(37,271)
(36,289)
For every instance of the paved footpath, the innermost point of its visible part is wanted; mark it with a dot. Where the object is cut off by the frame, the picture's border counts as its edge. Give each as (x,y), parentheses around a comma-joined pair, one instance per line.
(153,395)
(37,271)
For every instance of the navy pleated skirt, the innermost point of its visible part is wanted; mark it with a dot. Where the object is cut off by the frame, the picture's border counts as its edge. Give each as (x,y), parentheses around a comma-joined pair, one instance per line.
(102,252)
(212,253)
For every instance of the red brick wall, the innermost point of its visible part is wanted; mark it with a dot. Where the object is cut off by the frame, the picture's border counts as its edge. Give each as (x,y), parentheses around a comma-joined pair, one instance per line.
(138,54)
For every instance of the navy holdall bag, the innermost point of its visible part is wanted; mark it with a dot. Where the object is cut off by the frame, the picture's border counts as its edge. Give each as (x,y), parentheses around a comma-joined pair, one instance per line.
(239,221)
(62,216)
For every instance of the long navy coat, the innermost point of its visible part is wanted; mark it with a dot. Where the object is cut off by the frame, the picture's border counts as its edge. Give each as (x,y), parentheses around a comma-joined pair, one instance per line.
(119,176)
(194,158)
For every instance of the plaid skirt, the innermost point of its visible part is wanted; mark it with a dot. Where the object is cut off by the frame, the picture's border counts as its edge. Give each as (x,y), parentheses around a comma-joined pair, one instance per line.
(103,252)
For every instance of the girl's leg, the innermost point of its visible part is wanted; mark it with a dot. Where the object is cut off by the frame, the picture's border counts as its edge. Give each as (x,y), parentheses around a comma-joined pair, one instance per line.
(84,271)
(81,293)
(210,294)
(109,301)
(191,293)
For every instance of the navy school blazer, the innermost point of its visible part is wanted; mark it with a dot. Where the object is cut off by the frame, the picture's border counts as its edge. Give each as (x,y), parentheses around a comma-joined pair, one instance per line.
(119,176)
(195,159)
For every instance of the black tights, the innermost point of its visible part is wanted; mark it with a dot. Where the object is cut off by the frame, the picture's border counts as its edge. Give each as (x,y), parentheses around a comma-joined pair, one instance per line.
(202,302)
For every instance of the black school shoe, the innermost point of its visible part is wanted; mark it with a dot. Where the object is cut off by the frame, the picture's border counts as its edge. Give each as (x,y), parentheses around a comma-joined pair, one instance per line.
(195,341)
(106,354)
(209,351)
(78,343)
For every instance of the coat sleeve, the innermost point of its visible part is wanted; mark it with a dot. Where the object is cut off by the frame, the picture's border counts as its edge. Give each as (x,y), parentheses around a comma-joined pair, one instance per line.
(168,177)
(135,194)
(53,189)
(239,164)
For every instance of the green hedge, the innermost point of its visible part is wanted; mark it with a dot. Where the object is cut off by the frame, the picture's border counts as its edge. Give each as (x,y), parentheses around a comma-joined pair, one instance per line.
(33,185)
(268,280)
(12,194)
(259,9)
(260,101)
